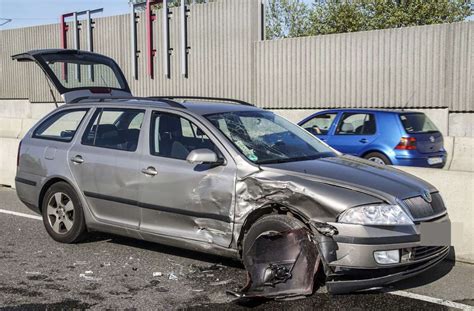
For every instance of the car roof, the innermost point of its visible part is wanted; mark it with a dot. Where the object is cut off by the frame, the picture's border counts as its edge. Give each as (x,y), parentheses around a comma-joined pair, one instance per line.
(197,107)
(372,110)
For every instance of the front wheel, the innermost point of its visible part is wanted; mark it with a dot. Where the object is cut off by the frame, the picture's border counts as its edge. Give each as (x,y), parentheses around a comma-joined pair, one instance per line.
(63,216)
(378,158)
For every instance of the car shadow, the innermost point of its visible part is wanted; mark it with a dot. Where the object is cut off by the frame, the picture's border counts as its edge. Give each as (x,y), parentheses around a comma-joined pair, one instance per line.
(161,248)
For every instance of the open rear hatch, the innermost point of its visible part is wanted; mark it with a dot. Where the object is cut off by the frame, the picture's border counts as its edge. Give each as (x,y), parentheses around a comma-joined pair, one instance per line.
(79,74)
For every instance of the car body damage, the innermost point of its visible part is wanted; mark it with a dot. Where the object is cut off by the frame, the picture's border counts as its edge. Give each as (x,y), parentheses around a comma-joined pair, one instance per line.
(281,264)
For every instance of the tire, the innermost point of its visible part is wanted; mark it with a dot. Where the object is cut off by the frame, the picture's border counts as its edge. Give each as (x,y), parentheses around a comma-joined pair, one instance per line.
(278,223)
(63,216)
(378,157)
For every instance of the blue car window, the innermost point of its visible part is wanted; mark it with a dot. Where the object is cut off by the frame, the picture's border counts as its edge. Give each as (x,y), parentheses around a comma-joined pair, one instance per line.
(356,124)
(320,124)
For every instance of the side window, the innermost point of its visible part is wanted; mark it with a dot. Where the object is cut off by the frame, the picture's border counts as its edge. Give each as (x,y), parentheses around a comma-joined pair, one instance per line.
(114,129)
(356,124)
(175,137)
(320,124)
(61,126)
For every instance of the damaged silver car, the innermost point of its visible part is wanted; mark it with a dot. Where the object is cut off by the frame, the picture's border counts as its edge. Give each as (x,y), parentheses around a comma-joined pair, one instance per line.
(223,177)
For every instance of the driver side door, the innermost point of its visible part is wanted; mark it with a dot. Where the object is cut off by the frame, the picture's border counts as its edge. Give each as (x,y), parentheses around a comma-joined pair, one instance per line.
(320,125)
(179,199)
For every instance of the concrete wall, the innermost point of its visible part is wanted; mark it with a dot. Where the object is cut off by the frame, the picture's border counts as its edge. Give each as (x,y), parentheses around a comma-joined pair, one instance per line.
(461,124)
(456,188)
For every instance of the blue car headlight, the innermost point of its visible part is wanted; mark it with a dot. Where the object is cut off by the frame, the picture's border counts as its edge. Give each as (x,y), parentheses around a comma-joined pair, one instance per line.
(379,214)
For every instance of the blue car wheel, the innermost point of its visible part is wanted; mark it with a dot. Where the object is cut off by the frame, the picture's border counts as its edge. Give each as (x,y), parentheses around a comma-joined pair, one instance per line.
(378,158)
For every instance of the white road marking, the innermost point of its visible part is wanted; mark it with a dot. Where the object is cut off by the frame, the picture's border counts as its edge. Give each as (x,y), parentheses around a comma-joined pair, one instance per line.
(4,211)
(437,301)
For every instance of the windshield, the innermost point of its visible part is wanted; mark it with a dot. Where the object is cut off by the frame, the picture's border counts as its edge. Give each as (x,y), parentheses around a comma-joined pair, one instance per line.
(263,137)
(417,123)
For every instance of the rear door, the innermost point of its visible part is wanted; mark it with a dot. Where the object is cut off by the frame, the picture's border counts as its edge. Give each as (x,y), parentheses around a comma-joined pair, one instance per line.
(79,74)
(320,125)
(105,165)
(354,132)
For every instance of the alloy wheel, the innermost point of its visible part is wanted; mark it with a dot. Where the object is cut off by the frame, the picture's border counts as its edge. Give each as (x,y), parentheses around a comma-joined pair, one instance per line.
(60,211)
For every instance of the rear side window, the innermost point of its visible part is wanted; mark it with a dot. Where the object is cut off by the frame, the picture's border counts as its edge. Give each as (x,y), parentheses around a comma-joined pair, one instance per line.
(320,124)
(61,126)
(114,129)
(356,124)
(172,136)
(417,123)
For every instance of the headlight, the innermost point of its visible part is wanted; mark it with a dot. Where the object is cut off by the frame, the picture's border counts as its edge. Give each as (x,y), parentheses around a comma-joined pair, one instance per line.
(375,215)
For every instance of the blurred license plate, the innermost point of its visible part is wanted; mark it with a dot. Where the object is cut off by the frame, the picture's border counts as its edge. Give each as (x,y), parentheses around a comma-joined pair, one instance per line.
(435,233)
(433,161)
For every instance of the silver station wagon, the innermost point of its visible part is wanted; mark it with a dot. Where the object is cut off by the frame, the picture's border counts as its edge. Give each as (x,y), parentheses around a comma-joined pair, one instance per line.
(223,177)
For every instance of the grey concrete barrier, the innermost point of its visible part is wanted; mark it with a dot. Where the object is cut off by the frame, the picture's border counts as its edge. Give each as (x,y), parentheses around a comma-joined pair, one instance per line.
(457,189)
(8,153)
(463,154)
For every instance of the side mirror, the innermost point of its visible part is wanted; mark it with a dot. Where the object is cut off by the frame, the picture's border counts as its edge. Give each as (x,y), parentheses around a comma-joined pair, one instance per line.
(201,156)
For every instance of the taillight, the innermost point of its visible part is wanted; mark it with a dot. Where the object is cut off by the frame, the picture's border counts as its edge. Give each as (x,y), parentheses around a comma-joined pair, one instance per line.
(18,155)
(406,143)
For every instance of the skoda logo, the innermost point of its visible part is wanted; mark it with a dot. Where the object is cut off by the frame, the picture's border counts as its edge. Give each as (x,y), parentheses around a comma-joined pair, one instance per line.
(432,139)
(427,196)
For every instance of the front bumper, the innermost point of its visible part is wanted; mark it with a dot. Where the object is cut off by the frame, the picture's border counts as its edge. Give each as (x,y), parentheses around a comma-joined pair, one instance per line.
(358,277)
(353,267)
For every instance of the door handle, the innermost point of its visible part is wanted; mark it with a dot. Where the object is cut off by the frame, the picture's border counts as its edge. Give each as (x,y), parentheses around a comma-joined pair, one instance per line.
(150,171)
(363,140)
(77,159)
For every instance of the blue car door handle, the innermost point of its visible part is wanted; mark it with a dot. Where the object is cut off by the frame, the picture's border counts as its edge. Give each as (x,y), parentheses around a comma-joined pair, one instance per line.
(363,140)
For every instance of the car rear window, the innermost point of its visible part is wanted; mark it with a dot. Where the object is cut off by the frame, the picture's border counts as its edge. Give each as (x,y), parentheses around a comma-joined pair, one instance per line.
(417,123)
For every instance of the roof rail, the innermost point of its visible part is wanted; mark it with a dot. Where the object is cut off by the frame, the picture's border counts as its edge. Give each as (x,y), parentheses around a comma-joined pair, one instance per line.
(237,101)
(101,99)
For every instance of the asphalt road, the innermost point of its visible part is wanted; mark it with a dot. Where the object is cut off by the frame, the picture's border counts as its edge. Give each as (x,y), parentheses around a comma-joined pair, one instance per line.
(110,272)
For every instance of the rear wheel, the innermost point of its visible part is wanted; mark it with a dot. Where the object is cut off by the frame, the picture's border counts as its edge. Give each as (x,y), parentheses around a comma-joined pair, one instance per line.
(63,216)
(378,158)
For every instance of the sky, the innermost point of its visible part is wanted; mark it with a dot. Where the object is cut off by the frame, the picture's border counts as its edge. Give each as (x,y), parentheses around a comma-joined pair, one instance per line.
(26,13)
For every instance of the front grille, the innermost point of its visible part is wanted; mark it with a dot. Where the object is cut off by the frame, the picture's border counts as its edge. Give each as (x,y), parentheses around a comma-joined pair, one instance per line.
(420,209)
(421,252)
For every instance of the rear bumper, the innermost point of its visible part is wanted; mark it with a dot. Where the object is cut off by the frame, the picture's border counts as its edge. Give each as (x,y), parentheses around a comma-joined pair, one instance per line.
(358,277)
(410,158)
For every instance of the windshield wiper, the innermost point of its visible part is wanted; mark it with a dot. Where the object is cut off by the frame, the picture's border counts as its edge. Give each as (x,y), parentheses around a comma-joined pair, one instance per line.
(296,159)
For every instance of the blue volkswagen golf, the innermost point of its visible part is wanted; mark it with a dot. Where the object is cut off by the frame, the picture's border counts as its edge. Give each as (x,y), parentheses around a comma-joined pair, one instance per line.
(383,136)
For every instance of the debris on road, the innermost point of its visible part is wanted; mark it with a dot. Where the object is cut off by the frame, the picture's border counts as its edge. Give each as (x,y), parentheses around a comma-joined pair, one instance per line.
(225,282)
(172,276)
(156,274)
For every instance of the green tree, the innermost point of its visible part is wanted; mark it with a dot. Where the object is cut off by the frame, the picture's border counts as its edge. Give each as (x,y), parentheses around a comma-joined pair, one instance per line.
(293,18)
(287,18)
(347,16)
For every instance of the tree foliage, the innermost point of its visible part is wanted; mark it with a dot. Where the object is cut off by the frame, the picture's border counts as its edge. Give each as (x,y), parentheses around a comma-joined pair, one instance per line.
(293,18)
(287,18)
